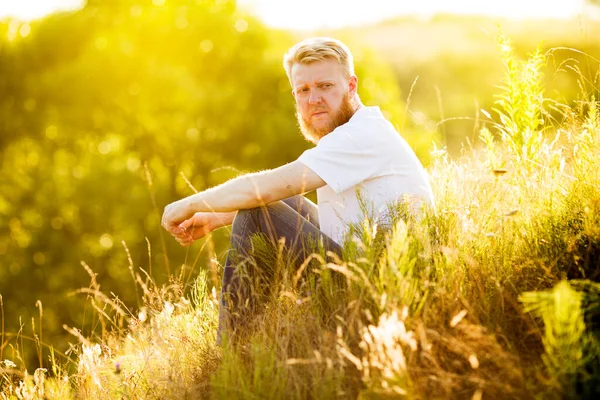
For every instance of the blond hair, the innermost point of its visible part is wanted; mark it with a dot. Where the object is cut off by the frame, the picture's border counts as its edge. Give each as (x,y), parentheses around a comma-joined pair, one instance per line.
(319,49)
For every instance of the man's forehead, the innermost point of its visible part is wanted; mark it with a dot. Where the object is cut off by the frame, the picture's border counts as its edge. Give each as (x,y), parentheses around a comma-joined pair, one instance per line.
(318,70)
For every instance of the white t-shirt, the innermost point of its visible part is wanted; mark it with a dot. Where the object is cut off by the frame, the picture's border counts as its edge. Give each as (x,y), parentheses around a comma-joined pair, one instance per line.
(367,154)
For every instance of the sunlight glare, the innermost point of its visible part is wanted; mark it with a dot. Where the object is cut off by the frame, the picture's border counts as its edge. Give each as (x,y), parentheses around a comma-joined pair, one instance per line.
(312,14)
(32,9)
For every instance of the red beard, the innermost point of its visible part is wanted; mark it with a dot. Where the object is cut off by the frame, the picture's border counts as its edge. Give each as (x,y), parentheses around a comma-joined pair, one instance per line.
(343,115)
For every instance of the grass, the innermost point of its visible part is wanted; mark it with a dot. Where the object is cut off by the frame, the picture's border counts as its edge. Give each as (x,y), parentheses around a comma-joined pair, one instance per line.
(492,294)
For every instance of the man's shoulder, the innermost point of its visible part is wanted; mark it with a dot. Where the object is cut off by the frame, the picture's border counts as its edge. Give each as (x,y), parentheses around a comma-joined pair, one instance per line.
(370,119)
(366,113)
(367,129)
(370,124)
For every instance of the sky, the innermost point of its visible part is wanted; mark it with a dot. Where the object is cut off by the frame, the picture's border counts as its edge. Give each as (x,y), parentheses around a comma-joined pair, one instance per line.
(311,14)
(314,14)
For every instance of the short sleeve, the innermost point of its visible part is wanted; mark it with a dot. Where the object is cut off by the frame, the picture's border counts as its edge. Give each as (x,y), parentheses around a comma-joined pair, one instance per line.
(344,158)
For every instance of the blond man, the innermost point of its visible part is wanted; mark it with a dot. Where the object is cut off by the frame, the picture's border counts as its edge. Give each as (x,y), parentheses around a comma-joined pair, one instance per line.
(358,154)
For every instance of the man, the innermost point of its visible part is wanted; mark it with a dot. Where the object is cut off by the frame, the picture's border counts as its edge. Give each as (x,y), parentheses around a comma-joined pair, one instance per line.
(358,155)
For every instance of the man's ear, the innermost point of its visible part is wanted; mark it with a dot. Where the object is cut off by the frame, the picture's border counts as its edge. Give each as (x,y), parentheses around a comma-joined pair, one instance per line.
(352,86)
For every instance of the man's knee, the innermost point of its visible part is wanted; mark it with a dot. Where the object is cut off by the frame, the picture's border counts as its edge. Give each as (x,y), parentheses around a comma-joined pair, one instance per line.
(295,201)
(258,211)
(243,217)
(253,218)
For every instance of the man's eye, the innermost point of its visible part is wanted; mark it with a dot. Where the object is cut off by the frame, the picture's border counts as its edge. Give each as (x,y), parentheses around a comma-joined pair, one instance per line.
(326,85)
(305,90)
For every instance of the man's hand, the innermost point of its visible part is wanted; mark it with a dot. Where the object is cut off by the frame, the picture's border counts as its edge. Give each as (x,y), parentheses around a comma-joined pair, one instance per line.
(200,225)
(175,213)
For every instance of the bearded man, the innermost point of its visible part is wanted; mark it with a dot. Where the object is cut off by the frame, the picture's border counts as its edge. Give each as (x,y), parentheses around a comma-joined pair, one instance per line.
(358,156)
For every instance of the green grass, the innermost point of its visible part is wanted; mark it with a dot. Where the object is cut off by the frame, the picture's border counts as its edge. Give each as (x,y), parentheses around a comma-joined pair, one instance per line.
(492,294)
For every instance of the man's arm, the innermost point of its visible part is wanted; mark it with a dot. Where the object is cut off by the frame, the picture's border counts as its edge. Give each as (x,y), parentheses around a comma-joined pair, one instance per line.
(256,189)
(246,191)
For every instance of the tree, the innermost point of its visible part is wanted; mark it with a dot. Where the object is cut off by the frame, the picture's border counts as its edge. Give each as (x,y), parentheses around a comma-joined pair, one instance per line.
(89,98)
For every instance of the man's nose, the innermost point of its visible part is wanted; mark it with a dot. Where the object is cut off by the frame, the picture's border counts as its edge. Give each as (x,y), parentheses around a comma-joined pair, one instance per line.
(314,97)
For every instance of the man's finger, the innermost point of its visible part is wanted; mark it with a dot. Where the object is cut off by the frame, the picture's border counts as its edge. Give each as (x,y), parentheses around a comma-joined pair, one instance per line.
(181,237)
(182,233)
(184,242)
(187,223)
(177,230)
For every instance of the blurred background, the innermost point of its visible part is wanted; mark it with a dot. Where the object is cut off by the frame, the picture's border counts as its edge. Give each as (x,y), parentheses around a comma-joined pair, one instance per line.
(106,105)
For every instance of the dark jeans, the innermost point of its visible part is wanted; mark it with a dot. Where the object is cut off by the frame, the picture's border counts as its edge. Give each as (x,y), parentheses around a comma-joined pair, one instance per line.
(295,219)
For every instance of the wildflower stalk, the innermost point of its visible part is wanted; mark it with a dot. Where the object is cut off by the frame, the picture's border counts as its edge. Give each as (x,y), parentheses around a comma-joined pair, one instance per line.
(2,343)
(40,340)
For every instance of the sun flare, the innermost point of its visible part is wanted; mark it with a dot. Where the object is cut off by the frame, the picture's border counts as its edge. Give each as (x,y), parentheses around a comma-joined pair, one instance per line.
(314,14)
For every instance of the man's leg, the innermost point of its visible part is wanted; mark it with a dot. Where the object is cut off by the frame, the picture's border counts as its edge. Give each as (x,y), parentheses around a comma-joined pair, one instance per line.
(291,219)
(305,208)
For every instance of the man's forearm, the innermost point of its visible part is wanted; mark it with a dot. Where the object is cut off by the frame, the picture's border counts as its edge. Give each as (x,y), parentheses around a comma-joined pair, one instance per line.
(226,218)
(236,194)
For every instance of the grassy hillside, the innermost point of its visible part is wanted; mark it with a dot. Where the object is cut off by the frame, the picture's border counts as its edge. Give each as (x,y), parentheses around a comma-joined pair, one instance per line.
(494,294)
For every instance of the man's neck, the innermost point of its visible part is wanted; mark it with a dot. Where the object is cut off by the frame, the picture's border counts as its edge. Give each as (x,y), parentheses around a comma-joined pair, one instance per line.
(356,105)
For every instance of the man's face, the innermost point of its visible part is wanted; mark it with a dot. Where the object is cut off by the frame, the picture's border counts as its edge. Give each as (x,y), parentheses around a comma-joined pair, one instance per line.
(323,97)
